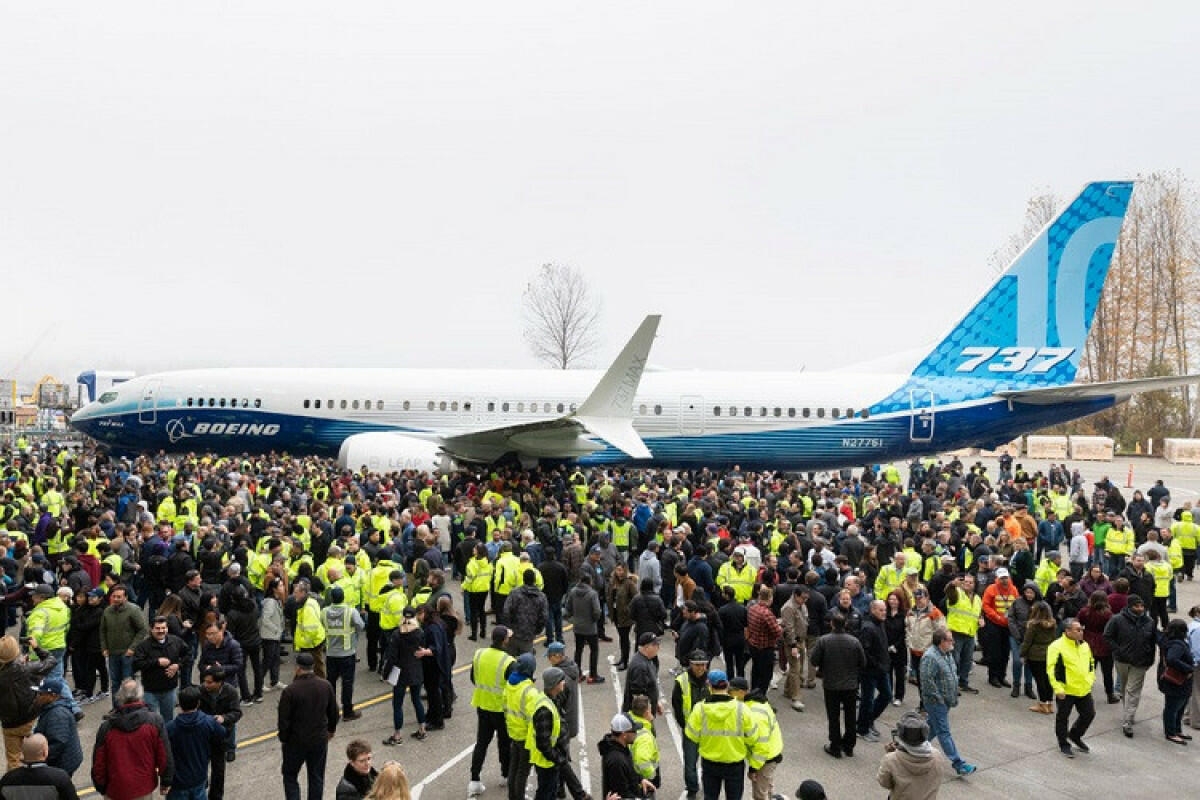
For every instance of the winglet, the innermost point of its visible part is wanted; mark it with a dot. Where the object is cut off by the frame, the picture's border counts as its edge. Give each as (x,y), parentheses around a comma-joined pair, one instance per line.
(613,395)
(608,410)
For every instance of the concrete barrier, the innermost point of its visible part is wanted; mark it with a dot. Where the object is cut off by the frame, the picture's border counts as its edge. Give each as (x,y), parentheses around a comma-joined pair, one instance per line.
(1053,448)
(1182,451)
(1091,448)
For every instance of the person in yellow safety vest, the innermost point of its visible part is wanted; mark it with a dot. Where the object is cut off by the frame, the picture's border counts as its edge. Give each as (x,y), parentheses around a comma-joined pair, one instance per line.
(1186,532)
(520,696)
(891,576)
(52,499)
(334,558)
(47,624)
(1071,668)
(504,577)
(645,745)
(376,581)
(767,751)
(476,583)
(261,562)
(544,739)
(489,675)
(1161,570)
(739,576)
(166,510)
(964,609)
(1118,545)
(725,731)
(310,628)
(58,544)
(342,623)
(525,564)
(395,600)
(621,529)
(691,687)
(1047,571)
(352,583)
(1175,559)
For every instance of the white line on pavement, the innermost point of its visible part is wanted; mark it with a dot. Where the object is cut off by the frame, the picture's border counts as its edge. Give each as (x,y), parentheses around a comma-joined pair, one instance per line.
(437,773)
(585,777)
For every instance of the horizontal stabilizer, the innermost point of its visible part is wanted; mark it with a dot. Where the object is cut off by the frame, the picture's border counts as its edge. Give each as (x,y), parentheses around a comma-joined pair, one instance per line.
(617,432)
(1118,390)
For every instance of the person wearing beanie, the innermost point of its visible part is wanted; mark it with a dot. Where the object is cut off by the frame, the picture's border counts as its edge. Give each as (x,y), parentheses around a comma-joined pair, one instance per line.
(520,697)
(490,667)
(1131,637)
(544,739)
(17,679)
(342,626)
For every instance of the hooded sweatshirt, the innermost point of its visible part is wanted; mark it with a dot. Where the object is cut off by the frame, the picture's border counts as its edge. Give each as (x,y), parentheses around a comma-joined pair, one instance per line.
(617,771)
(131,757)
(192,734)
(911,777)
(583,608)
(1019,611)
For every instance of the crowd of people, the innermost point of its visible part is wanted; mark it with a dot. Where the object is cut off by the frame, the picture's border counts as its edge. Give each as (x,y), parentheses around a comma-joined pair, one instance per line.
(174,587)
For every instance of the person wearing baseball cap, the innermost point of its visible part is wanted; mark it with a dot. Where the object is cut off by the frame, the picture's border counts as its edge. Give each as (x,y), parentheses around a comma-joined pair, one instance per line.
(56,721)
(490,667)
(689,689)
(617,774)
(994,637)
(725,731)
(642,675)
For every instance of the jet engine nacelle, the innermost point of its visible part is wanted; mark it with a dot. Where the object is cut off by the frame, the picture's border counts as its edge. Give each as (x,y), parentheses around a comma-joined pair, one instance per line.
(392,452)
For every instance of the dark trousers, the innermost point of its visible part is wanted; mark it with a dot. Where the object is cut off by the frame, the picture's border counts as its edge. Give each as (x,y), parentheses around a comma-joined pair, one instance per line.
(1087,712)
(342,668)
(715,776)
(498,606)
(489,724)
(1158,610)
(1173,708)
(375,640)
(547,783)
(86,668)
(554,623)
(255,658)
(996,648)
(593,643)
(216,772)
(735,656)
(762,666)
(1106,672)
(518,772)
(270,659)
(568,778)
(312,757)
(435,711)
(623,638)
(875,689)
(1044,692)
(477,601)
(839,708)
(1189,563)
(899,674)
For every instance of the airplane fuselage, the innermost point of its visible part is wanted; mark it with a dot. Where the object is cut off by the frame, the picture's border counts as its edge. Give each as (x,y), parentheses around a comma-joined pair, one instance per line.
(687,419)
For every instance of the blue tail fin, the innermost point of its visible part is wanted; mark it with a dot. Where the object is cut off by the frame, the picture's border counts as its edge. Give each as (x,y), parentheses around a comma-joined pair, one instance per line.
(1030,327)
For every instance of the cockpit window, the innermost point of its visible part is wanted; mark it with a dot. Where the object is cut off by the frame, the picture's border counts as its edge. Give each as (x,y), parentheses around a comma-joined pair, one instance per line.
(107,397)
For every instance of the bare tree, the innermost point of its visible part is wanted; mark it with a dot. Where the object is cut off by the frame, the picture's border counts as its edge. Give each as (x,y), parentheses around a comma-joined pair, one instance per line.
(1039,211)
(561,315)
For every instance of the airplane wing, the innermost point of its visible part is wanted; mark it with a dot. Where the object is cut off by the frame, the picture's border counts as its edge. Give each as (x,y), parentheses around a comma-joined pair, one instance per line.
(1118,390)
(606,414)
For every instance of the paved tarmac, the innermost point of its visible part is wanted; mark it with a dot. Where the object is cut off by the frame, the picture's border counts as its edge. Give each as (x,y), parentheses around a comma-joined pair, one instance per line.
(1014,748)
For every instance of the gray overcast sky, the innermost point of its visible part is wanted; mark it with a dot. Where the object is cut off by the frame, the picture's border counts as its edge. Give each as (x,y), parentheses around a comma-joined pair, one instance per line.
(372,183)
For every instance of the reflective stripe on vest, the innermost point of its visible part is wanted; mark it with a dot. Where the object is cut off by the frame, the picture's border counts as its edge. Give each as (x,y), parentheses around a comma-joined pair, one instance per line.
(489,689)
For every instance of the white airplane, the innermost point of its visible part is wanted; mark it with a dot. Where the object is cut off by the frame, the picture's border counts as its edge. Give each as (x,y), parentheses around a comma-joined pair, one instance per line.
(1005,369)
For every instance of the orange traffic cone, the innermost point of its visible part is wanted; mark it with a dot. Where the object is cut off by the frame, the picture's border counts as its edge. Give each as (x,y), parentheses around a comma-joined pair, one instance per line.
(1129,478)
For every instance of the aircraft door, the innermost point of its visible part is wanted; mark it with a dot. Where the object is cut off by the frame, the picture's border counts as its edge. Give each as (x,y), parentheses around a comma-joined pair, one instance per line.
(691,414)
(147,411)
(921,429)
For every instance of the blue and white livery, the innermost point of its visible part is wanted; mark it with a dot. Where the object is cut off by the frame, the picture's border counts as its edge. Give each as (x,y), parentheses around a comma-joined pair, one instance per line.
(1005,369)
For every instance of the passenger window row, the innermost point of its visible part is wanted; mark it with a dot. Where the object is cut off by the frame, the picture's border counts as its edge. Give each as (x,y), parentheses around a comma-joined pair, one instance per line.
(221,402)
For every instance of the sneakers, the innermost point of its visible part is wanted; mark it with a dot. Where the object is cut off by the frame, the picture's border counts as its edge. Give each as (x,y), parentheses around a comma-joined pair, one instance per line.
(1066,750)
(964,769)
(475,788)
(1079,745)
(869,736)
(775,681)
(895,702)
(797,705)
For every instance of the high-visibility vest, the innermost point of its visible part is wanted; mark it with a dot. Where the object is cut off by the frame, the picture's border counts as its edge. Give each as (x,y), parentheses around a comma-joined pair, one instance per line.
(487,670)
(504,578)
(1162,573)
(1175,554)
(310,631)
(379,578)
(53,500)
(620,534)
(963,616)
(258,569)
(495,524)
(741,580)
(48,623)
(351,589)
(535,755)
(1047,573)
(644,748)
(1185,532)
(115,562)
(344,629)
(479,575)
(1119,542)
(526,566)
(723,729)
(685,691)
(889,578)
(518,704)
(768,744)
(392,610)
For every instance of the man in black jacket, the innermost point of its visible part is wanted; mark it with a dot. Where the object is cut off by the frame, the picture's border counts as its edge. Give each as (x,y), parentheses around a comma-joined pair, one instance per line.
(642,676)
(554,586)
(875,680)
(1130,635)
(839,659)
(617,774)
(17,679)
(220,700)
(159,658)
(36,773)
(308,718)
